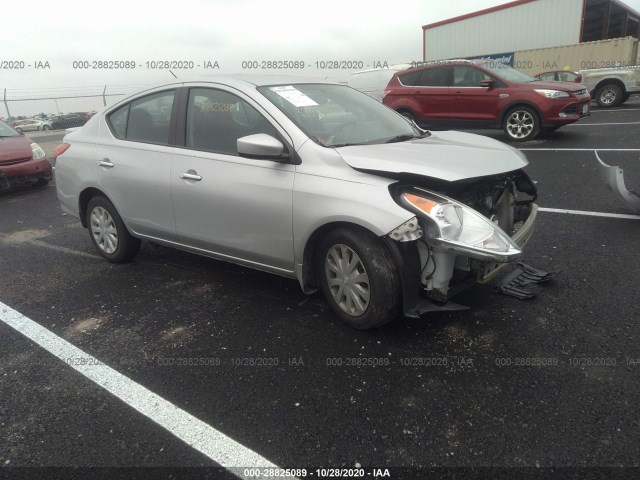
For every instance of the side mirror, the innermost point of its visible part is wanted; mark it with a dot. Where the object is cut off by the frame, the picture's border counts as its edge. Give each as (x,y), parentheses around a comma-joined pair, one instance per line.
(578,79)
(262,146)
(487,83)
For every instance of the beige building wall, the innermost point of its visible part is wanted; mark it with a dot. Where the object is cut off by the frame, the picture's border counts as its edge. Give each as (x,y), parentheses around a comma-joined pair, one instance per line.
(602,54)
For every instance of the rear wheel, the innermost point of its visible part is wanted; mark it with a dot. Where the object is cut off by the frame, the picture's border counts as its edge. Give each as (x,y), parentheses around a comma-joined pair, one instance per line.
(108,232)
(521,124)
(359,278)
(609,95)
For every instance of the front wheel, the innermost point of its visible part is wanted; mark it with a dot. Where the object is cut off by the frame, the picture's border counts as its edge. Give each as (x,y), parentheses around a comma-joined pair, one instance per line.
(359,278)
(521,124)
(108,232)
(609,95)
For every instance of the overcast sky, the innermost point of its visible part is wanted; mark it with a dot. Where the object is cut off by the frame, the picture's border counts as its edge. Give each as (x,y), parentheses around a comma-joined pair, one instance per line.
(228,32)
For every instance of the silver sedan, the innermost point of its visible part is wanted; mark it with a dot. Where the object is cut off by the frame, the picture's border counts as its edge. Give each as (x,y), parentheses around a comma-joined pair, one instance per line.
(310,180)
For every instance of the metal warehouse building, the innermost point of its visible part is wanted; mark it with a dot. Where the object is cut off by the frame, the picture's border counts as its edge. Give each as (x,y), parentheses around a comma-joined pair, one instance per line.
(528,24)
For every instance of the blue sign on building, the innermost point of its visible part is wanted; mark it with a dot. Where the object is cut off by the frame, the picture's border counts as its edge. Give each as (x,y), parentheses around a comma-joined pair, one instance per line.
(506,58)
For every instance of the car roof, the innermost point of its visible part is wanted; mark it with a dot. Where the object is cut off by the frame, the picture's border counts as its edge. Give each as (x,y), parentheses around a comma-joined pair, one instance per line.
(439,63)
(239,81)
(245,80)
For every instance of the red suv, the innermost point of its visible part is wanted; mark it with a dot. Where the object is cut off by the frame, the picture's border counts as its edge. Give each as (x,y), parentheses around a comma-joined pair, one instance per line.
(485,94)
(21,160)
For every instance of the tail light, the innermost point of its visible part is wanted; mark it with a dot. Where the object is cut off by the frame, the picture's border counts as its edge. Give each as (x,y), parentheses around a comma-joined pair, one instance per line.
(60,149)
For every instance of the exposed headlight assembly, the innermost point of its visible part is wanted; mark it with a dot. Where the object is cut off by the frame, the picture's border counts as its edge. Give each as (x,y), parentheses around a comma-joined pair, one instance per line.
(552,93)
(455,227)
(38,152)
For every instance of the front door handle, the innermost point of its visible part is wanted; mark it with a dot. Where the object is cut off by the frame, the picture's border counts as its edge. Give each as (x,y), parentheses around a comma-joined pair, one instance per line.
(190,176)
(105,162)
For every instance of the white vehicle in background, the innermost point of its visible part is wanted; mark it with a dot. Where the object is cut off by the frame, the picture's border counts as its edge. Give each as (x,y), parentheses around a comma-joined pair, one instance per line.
(373,82)
(612,86)
(30,125)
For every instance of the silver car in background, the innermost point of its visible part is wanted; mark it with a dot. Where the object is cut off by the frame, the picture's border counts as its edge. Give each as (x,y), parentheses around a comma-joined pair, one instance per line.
(310,180)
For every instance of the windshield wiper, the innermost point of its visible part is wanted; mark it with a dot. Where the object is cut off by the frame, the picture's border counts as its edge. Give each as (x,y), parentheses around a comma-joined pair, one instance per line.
(406,136)
(337,145)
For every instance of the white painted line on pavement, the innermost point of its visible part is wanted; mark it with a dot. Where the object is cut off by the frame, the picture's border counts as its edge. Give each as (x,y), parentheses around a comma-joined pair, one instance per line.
(195,433)
(591,214)
(616,110)
(596,124)
(581,149)
(39,243)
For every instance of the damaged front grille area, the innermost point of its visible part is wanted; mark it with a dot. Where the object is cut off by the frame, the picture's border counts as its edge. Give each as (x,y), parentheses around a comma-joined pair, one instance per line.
(504,199)
(447,267)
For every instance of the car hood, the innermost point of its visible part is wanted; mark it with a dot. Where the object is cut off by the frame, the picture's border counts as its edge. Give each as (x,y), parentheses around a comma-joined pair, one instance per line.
(12,148)
(448,156)
(563,86)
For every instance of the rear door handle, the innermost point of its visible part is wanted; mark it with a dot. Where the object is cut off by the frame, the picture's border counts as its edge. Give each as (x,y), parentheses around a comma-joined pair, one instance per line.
(190,176)
(105,162)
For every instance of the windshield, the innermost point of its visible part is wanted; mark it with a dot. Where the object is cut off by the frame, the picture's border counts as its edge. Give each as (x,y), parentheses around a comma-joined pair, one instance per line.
(507,73)
(336,115)
(7,131)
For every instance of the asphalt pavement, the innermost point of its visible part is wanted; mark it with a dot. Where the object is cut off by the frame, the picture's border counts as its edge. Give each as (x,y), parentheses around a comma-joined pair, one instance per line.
(547,386)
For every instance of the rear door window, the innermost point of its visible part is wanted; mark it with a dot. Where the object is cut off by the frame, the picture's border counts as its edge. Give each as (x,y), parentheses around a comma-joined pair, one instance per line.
(434,77)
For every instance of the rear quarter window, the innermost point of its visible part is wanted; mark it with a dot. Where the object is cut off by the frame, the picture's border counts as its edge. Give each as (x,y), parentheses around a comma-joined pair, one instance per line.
(118,120)
(146,119)
(409,79)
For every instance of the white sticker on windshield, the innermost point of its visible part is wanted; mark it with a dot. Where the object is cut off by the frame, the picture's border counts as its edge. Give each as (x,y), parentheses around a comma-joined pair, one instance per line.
(294,96)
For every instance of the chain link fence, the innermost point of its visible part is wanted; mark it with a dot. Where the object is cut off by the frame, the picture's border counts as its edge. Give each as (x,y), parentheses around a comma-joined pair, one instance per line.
(57,108)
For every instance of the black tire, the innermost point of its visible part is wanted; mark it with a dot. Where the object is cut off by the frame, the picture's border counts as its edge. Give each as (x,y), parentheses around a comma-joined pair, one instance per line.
(42,182)
(521,124)
(381,278)
(625,97)
(120,249)
(609,95)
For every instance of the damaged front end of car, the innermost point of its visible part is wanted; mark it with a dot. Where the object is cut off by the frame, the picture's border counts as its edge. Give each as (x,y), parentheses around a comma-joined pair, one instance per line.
(464,232)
